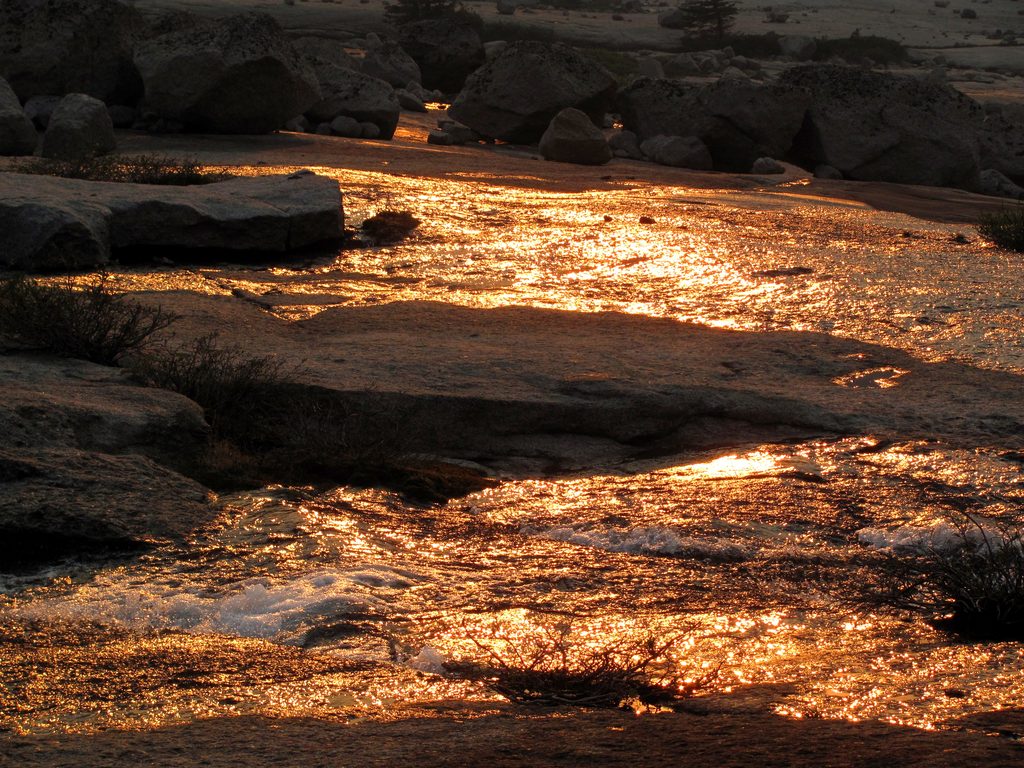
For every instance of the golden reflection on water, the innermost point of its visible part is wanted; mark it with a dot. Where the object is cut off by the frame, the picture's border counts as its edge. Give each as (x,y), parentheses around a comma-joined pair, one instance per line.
(737,552)
(726,258)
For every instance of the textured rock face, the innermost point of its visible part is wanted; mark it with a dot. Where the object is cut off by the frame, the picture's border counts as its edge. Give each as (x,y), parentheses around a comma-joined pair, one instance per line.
(53,223)
(321,50)
(49,401)
(1001,139)
(880,127)
(17,133)
(678,152)
(387,60)
(70,46)
(77,465)
(515,95)
(235,75)
(446,50)
(573,138)
(739,120)
(350,93)
(79,128)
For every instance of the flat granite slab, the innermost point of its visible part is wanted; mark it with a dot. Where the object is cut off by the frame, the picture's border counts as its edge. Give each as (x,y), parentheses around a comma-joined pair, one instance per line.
(53,223)
(517,387)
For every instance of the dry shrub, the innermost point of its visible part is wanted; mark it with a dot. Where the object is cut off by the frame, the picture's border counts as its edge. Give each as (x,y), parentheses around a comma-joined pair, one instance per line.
(1005,227)
(972,587)
(140,169)
(559,665)
(234,389)
(268,427)
(88,322)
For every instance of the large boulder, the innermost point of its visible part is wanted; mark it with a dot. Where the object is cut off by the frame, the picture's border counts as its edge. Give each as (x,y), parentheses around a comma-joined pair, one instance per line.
(678,152)
(573,138)
(17,133)
(739,120)
(446,50)
(78,466)
(322,50)
(881,127)
(515,95)
(387,60)
(54,223)
(239,74)
(79,128)
(70,46)
(1001,139)
(53,402)
(350,93)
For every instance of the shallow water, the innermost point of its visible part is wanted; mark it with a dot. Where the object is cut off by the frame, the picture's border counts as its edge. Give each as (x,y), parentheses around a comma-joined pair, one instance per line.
(748,557)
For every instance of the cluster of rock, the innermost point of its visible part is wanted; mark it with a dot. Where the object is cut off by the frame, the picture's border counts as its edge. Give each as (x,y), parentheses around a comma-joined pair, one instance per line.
(722,62)
(844,122)
(240,74)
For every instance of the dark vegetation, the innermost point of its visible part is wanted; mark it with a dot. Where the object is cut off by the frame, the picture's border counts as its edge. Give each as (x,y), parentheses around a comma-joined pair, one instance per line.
(141,169)
(1005,228)
(267,426)
(880,50)
(706,18)
(973,588)
(556,666)
(90,323)
(401,12)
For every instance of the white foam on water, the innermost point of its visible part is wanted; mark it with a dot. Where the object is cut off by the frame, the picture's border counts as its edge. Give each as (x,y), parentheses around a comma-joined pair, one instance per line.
(940,536)
(652,540)
(429,660)
(280,611)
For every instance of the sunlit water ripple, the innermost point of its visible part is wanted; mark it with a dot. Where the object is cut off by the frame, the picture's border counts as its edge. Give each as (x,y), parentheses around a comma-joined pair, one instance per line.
(748,555)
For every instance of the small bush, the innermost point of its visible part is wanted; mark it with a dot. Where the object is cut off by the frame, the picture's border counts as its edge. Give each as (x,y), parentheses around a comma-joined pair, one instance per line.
(389,226)
(559,666)
(1005,228)
(973,587)
(142,169)
(234,389)
(87,322)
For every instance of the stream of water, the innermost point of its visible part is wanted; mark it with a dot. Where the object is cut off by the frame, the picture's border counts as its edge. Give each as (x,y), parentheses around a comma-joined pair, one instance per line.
(747,556)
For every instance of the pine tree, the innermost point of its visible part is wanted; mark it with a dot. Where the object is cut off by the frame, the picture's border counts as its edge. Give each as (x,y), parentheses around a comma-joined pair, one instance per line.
(705,18)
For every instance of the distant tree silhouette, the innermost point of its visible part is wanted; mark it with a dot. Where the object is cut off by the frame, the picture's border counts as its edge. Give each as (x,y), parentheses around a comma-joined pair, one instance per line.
(705,18)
